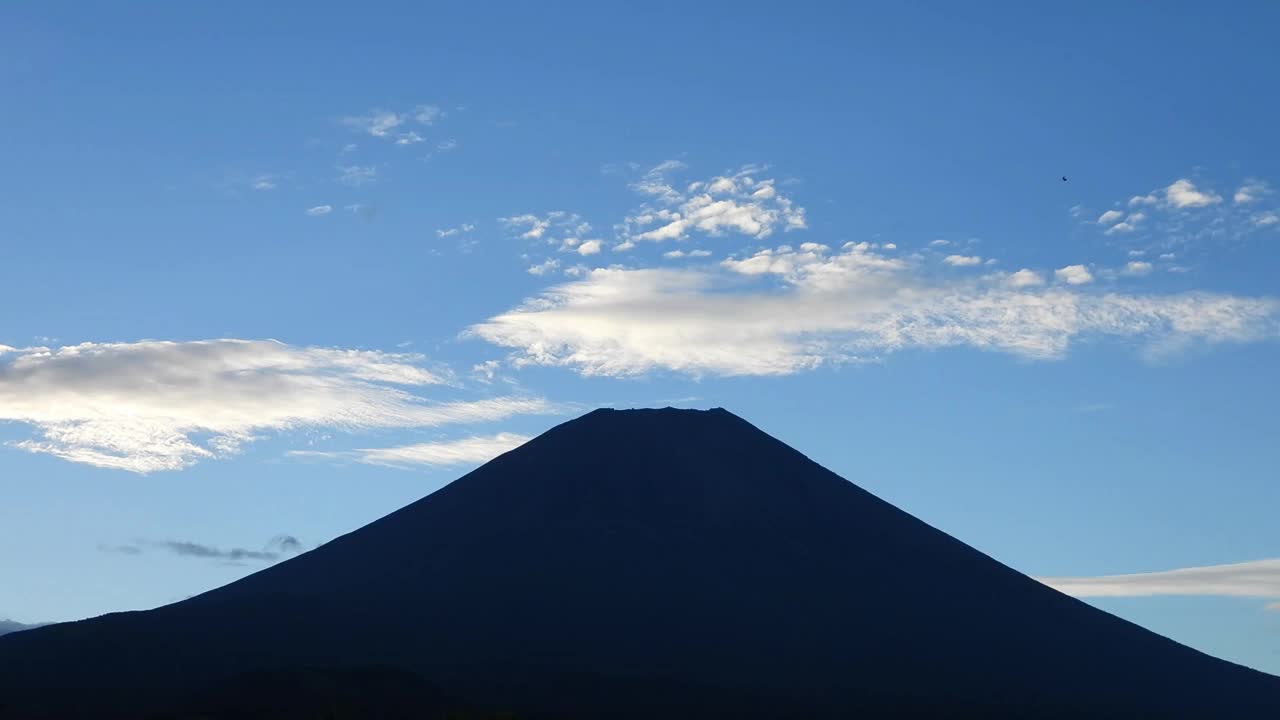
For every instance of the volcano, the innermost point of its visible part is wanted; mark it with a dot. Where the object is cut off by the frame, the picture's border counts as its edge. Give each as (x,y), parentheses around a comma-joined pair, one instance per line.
(630,563)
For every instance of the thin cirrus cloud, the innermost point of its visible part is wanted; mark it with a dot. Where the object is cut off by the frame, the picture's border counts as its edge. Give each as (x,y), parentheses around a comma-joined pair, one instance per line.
(356,175)
(154,405)
(466,451)
(394,126)
(319,210)
(785,310)
(1257,578)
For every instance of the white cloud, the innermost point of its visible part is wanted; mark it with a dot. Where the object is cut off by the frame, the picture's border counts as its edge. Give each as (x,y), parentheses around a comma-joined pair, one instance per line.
(1024,278)
(544,267)
(427,114)
(962,260)
(590,247)
(1258,578)
(1149,199)
(1109,217)
(547,227)
(152,406)
(740,203)
(378,123)
(320,210)
(468,451)
(264,182)
(1129,225)
(356,175)
(1184,194)
(386,125)
(1265,219)
(1073,275)
(1251,191)
(832,308)
(459,230)
(1137,267)
(939,243)
(889,246)
(676,254)
(447,145)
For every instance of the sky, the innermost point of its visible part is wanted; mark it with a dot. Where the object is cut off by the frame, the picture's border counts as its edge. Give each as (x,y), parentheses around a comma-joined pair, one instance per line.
(270,273)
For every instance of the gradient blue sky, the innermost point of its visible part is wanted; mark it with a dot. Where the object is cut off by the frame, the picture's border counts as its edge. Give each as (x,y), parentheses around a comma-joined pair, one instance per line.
(277,271)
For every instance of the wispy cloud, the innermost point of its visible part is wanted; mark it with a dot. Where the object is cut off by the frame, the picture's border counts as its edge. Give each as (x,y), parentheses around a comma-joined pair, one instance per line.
(1258,578)
(962,260)
(356,175)
(319,210)
(152,406)
(786,310)
(462,229)
(1251,191)
(266,181)
(676,254)
(544,267)
(467,451)
(1188,214)
(392,126)
(277,548)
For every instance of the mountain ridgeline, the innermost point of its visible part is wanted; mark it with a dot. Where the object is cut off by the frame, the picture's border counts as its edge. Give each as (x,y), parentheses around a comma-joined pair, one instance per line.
(634,563)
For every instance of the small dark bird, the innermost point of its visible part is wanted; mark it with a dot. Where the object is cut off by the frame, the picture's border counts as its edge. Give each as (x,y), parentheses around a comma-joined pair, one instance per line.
(1064,178)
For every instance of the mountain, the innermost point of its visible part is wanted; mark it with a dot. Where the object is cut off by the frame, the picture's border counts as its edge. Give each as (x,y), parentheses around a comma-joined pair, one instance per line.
(10,626)
(642,563)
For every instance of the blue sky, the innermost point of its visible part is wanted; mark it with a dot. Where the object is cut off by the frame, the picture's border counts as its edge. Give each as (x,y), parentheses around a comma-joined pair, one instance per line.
(273,272)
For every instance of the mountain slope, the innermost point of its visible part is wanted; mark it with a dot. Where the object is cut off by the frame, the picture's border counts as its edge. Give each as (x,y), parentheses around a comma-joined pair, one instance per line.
(660,562)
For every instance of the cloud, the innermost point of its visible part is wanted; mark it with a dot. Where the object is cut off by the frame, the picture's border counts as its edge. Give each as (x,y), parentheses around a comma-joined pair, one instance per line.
(786,310)
(264,182)
(386,125)
(1129,225)
(546,227)
(1266,219)
(1148,199)
(447,145)
(459,230)
(320,210)
(1251,191)
(740,203)
(962,260)
(1109,217)
(427,114)
(153,405)
(275,549)
(467,451)
(544,267)
(1137,267)
(1184,194)
(676,254)
(377,123)
(1024,278)
(356,175)
(590,247)
(1073,275)
(1258,578)
(939,243)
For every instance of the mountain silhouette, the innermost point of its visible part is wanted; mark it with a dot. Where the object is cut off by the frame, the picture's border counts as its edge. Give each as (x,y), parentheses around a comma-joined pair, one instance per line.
(635,563)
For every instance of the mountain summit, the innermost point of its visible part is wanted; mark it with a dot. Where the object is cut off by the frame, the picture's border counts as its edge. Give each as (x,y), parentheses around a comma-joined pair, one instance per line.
(649,563)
